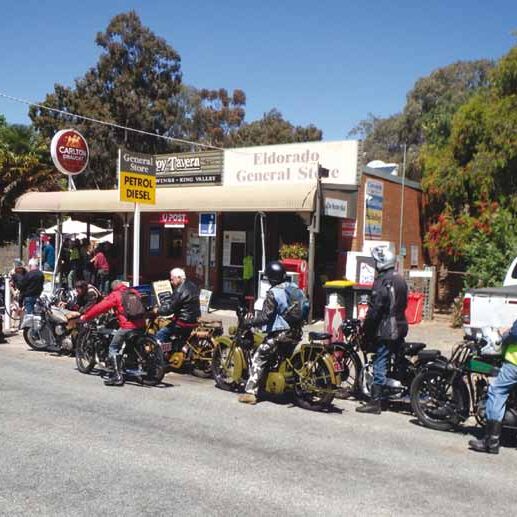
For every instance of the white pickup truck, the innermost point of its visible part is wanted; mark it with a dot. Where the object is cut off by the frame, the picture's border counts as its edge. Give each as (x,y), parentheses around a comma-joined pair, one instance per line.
(491,306)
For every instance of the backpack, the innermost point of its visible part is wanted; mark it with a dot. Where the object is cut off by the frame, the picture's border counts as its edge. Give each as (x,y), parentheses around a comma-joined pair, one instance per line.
(133,307)
(298,306)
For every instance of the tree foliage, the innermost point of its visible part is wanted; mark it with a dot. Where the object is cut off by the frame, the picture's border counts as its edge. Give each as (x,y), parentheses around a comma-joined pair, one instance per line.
(271,129)
(426,117)
(471,178)
(24,166)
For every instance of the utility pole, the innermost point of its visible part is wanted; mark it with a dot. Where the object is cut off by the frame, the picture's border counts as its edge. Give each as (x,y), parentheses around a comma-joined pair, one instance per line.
(402,201)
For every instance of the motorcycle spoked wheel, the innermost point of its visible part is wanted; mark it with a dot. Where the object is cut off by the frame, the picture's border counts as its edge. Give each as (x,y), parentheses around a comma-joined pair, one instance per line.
(34,338)
(151,360)
(85,354)
(314,389)
(202,365)
(436,403)
(224,367)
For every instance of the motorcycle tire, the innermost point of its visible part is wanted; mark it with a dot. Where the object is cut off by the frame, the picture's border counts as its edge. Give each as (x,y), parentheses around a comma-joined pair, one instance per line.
(203,368)
(436,403)
(35,342)
(223,376)
(85,355)
(154,361)
(350,376)
(316,391)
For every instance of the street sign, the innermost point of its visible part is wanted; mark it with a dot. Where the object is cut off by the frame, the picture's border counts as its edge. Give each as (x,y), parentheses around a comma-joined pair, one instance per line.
(137,181)
(207,224)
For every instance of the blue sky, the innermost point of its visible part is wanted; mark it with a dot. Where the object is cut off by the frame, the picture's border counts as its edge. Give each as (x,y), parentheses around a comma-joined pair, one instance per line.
(329,63)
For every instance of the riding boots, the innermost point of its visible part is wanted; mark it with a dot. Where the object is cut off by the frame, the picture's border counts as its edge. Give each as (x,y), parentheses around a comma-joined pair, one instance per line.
(490,442)
(117,378)
(373,406)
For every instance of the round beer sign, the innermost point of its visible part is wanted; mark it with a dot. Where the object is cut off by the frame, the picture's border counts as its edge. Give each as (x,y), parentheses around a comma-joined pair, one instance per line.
(69,151)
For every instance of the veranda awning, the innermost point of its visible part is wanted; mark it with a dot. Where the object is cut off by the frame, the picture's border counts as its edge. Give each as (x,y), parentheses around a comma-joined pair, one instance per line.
(297,197)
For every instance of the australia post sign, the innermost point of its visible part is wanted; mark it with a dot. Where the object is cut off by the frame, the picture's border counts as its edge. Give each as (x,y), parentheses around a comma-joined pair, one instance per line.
(292,163)
(137,177)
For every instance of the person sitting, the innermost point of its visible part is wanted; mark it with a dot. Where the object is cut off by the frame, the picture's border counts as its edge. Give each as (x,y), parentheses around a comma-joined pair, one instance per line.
(31,286)
(183,305)
(126,325)
(278,331)
(87,296)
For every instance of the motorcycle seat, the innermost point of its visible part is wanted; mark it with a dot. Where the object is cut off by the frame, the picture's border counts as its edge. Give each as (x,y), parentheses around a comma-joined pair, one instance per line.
(319,336)
(413,348)
(429,355)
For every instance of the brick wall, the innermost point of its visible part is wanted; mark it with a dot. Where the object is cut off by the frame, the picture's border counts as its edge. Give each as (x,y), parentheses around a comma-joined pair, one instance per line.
(412,219)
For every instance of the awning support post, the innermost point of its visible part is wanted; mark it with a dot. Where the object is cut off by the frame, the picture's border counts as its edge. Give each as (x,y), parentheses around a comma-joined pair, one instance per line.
(136,245)
(20,239)
(126,244)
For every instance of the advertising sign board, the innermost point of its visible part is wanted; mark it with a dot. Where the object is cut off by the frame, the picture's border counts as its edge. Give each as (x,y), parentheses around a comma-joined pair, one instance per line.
(182,169)
(137,181)
(374,202)
(69,152)
(292,163)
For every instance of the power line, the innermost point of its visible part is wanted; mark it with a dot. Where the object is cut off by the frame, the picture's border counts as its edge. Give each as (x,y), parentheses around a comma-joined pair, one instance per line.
(112,124)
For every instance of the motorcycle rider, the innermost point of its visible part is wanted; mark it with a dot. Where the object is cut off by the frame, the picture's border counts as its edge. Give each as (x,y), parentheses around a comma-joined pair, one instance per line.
(183,304)
(31,286)
(278,330)
(385,324)
(114,301)
(87,296)
(498,392)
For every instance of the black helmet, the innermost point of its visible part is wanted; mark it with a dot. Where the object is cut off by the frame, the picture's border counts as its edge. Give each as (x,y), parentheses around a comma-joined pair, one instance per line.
(275,272)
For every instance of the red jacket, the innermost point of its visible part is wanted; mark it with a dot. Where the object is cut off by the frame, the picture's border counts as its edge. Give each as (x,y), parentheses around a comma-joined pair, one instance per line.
(114,301)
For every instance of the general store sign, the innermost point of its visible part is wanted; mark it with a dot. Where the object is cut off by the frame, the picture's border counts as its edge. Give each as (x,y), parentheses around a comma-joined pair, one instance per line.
(292,163)
(202,168)
(137,181)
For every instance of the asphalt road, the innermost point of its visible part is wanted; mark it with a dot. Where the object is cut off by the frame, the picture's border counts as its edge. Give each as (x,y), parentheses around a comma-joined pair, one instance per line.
(70,446)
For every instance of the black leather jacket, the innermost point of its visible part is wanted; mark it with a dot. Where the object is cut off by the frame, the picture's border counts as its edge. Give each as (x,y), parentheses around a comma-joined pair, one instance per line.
(184,303)
(386,319)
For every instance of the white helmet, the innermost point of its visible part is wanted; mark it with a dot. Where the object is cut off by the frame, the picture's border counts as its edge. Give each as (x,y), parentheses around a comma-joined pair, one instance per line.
(384,258)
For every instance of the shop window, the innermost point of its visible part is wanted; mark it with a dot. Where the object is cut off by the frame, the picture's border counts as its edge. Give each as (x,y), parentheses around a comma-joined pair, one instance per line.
(175,243)
(155,241)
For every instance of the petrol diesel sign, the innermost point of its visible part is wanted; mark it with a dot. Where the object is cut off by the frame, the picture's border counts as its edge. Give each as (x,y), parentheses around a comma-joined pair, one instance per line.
(137,180)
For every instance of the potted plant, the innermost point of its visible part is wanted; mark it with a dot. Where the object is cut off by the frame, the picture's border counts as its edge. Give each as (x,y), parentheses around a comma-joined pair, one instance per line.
(295,250)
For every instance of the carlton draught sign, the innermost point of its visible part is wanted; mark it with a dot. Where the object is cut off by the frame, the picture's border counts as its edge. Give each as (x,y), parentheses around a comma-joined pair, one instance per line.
(69,151)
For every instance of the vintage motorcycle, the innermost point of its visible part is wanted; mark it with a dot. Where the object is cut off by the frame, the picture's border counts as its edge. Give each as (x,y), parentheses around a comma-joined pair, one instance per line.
(447,391)
(50,328)
(142,357)
(304,370)
(192,353)
(403,366)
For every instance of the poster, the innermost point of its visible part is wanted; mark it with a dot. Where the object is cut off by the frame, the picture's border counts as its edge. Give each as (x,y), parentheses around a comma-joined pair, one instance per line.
(162,291)
(204,300)
(373,207)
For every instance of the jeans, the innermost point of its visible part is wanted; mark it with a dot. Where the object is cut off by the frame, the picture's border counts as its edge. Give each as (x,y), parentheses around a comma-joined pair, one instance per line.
(165,334)
(28,304)
(499,390)
(380,363)
(117,341)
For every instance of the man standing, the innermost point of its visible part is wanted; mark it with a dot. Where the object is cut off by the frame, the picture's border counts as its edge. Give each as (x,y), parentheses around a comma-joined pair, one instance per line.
(498,392)
(48,256)
(385,324)
(31,286)
(183,304)
(115,301)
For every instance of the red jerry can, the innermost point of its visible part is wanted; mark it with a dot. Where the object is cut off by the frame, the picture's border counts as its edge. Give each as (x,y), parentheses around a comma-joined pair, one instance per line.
(415,308)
